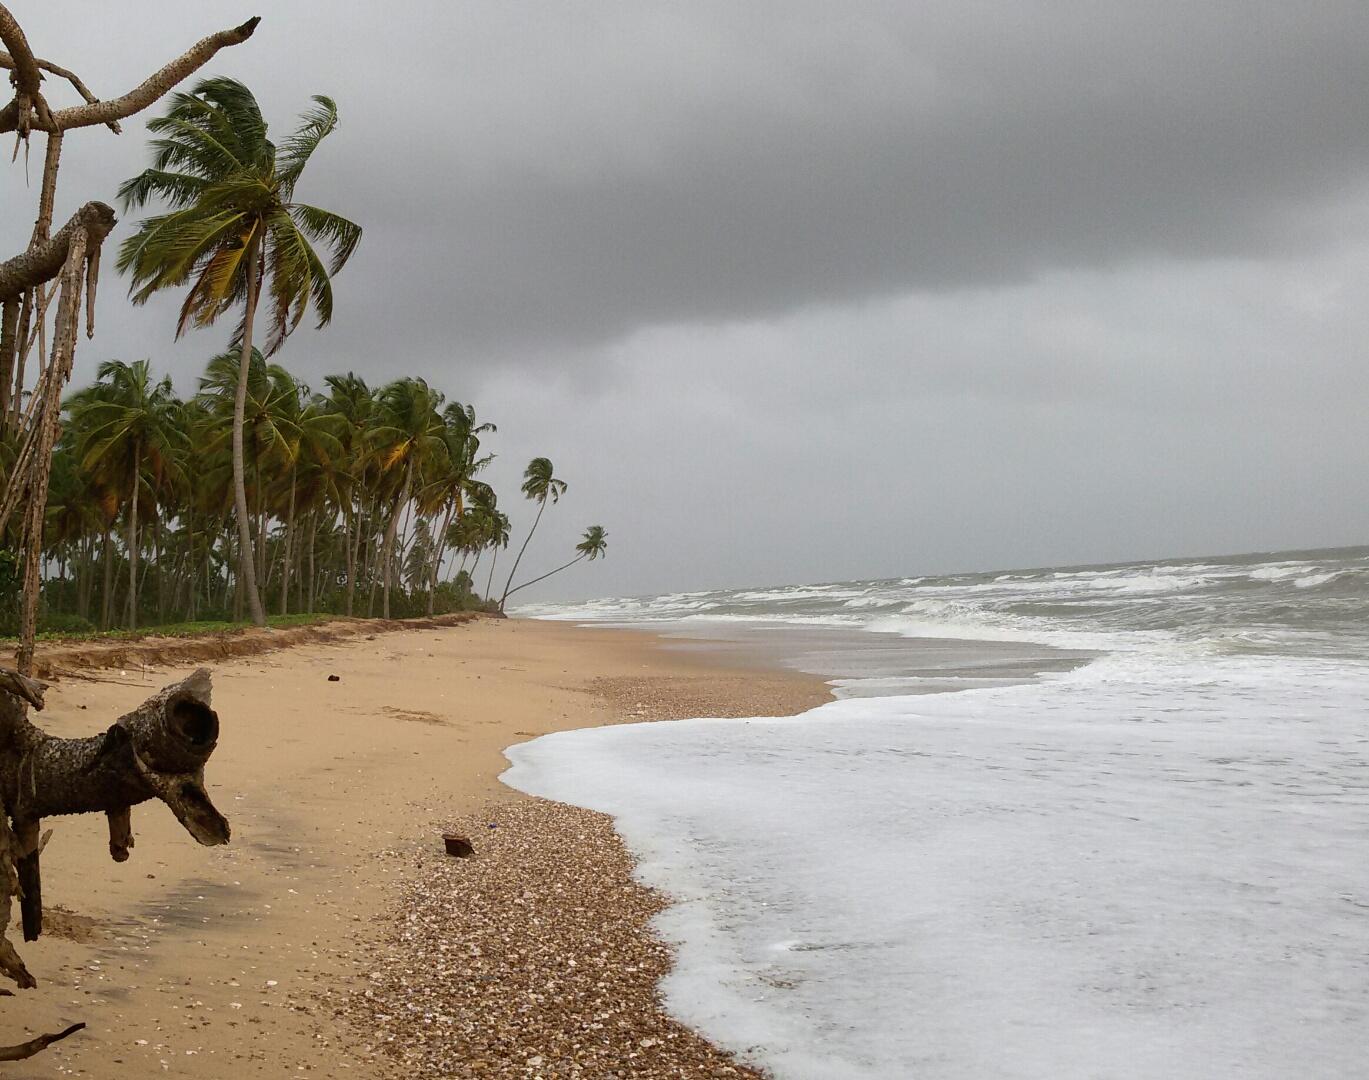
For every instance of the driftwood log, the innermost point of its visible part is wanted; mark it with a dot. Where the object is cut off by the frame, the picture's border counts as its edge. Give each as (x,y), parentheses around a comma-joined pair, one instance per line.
(157,751)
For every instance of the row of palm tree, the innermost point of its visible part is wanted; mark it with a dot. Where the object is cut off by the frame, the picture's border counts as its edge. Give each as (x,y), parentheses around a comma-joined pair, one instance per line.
(256,485)
(360,500)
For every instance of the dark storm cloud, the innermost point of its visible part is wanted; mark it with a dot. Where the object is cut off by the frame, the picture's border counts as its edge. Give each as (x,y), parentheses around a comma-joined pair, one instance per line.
(718,162)
(533,175)
(799,291)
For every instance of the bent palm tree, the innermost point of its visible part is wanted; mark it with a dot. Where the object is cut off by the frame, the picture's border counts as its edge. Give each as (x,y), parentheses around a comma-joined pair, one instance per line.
(591,547)
(233,227)
(539,485)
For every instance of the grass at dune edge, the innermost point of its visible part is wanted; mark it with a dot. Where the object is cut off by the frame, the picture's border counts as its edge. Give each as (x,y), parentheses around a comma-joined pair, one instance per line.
(199,628)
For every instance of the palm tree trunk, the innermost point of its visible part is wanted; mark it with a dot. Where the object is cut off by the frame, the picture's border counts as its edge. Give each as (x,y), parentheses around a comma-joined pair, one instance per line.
(299,576)
(544,577)
(526,540)
(351,537)
(440,546)
(191,570)
(489,582)
(87,565)
(387,567)
(289,538)
(107,600)
(313,576)
(247,572)
(157,564)
(133,541)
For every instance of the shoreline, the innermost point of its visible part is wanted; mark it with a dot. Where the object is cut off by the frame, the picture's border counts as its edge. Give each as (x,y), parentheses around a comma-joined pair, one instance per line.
(244,960)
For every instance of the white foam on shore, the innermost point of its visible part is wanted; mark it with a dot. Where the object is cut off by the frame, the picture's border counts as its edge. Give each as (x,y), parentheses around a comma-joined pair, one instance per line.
(1146,867)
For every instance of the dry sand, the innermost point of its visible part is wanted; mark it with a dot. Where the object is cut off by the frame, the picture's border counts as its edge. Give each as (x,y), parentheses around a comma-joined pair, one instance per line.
(256,959)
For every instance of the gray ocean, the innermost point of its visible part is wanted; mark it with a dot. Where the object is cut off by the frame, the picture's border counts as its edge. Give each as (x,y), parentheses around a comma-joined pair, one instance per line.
(1093,821)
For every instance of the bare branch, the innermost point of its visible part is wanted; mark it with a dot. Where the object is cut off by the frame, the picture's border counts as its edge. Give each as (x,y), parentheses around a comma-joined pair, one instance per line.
(45,260)
(22,62)
(26,78)
(143,95)
(7,61)
(34,1046)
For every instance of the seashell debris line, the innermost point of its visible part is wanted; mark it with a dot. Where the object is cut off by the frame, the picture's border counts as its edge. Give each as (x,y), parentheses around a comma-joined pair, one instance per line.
(534,958)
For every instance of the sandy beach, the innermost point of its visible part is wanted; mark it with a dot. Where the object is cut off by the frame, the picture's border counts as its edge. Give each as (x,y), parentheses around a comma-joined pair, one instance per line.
(325,937)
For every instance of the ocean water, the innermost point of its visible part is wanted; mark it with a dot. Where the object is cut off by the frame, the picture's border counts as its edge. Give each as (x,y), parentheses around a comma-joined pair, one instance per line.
(1080,822)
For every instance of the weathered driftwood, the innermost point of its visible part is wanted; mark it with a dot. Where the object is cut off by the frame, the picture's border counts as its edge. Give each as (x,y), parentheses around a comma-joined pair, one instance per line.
(43,261)
(33,1046)
(29,110)
(158,751)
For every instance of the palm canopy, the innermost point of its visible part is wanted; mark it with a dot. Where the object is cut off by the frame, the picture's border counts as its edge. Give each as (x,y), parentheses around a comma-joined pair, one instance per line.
(539,483)
(408,430)
(231,194)
(124,422)
(272,408)
(594,543)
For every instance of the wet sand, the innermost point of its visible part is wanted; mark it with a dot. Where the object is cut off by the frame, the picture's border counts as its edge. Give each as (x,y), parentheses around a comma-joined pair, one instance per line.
(256,959)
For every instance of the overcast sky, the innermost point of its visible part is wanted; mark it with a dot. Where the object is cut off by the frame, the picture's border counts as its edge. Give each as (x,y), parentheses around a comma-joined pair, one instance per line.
(803,291)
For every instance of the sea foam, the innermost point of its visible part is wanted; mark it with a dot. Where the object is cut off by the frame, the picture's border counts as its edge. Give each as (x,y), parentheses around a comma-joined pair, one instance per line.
(1119,872)
(1151,865)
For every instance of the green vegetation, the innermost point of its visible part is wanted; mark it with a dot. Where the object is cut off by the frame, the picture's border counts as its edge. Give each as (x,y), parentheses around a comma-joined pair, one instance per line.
(362,501)
(235,230)
(73,629)
(257,492)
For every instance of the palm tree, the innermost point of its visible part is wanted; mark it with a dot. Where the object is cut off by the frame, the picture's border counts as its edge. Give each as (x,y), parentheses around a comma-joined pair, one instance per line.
(491,530)
(409,436)
(353,402)
(539,485)
(453,480)
(126,423)
(270,415)
(234,226)
(591,547)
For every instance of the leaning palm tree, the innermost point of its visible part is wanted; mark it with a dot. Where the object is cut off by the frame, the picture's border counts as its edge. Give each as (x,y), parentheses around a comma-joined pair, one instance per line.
(592,546)
(539,485)
(126,423)
(233,228)
(452,482)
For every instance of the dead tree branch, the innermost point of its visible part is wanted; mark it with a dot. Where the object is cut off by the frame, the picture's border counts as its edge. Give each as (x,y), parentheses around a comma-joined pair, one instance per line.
(28,102)
(34,1046)
(45,260)
(7,61)
(28,111)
